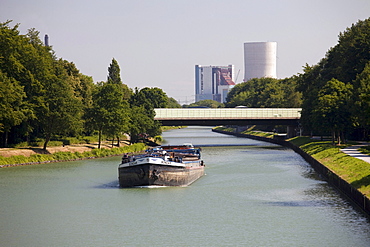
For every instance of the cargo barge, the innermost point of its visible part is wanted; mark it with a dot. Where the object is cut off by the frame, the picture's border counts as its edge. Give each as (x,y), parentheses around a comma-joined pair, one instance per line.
(161,166)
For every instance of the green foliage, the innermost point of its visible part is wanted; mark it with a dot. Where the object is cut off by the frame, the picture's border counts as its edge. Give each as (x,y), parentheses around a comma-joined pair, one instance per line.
(333,108)
(90,139)
(207,103)
(349,57)
(61,156)
(58,142)
(300,140)
(142,124)
(52,144)
(361,100)
(50,94)
(259,133)
(353,170)
(62,111)
(12,109)
(265,92)
(109,112)
(43,97)
(172,103)
(114,76)
(149,98)
(229,129)
(335,92)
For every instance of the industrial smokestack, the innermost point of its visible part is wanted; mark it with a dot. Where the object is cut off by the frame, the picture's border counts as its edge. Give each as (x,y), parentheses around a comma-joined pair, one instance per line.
(46,40)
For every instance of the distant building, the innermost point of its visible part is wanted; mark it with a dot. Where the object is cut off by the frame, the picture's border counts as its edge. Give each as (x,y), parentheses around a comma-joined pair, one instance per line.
(259,60)
(213,82)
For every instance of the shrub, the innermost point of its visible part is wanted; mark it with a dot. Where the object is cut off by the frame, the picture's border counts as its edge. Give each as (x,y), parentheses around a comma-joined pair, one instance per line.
(63,156)
(90,139)
(39,157)
(22,145)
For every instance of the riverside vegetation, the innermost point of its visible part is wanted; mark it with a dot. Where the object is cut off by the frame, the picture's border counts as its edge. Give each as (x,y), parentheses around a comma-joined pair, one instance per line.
(45,97)
(15,160)
(69,156)
(355,171)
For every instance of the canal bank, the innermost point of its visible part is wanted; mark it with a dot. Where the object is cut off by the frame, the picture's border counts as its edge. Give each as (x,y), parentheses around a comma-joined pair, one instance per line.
(68,154)
(348,190)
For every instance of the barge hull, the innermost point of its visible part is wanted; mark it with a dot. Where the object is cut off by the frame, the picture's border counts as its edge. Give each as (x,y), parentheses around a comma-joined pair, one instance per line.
(158,175)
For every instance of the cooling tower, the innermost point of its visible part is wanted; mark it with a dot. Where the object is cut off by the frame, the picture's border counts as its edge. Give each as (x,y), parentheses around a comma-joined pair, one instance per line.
(259,60)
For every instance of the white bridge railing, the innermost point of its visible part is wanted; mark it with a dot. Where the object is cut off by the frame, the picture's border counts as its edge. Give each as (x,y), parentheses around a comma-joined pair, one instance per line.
(227,113)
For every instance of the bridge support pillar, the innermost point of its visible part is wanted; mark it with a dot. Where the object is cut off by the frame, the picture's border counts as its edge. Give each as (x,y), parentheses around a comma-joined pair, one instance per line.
(291,131)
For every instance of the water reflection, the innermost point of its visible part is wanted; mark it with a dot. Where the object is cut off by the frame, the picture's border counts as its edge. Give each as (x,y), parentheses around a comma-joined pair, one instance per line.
(294,204)
(110,185)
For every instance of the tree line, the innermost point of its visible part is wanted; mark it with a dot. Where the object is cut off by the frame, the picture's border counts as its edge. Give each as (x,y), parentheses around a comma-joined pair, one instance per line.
(336,91)
(42,96)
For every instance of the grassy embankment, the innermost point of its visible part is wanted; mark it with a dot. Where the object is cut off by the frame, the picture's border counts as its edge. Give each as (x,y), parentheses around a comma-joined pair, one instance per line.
(66,156)
(353,170)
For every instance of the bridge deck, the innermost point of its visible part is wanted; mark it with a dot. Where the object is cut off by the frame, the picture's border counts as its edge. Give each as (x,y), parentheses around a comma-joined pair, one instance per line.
(229,113)
(219,116)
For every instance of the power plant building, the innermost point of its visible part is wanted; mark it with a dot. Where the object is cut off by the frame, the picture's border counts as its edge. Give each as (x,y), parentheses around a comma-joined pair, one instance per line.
(259,60)
(213,82)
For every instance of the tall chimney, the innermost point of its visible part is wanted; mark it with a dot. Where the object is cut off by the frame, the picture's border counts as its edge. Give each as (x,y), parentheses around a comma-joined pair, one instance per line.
(46,40)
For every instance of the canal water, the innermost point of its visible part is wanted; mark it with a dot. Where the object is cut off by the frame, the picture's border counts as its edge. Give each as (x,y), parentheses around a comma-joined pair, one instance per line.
(258,194)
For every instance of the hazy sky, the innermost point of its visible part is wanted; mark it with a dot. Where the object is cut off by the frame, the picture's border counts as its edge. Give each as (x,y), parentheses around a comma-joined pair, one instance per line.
(157,43)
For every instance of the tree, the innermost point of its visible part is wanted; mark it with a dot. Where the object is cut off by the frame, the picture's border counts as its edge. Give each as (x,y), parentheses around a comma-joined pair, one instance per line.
(292,97)
(119,119)
(350,56)
(333,108)
(150,98)
(12,110)
(309,84)
(62,111)
(114,77)
(172,103)
(43,96)
(142,125)
(265,92)
(207,103)
(344,62)
(114,71)
(82,85)
(142,104)
(109,111)
(361,101)
(27,61)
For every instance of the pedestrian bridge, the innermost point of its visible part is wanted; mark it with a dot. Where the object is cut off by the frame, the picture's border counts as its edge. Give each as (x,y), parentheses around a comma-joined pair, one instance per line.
(228,116)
